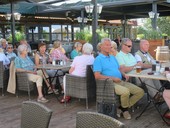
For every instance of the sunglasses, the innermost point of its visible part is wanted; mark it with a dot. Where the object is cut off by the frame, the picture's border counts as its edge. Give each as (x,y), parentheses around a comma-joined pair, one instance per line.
(129,46)
(9,47)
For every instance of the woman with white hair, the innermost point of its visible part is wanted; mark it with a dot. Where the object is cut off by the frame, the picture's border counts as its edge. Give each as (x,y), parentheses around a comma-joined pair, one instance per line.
(24,64)
(78,67)
(76,51)
(113,48)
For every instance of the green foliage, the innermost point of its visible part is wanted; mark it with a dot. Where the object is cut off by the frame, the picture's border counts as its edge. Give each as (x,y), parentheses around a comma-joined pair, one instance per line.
(101,34)
(140,36)
(18,36)
(153,34)
(87,35)
(164,25)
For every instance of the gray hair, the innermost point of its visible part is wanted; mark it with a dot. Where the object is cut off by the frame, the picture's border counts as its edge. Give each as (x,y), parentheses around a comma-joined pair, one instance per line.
(113,44)
(21,48)
(87,48)
(77,44)
(105,39)
(125,40)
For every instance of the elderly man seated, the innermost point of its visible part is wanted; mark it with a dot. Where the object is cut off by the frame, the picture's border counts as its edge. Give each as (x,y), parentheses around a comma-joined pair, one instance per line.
(106,66)
(128,62)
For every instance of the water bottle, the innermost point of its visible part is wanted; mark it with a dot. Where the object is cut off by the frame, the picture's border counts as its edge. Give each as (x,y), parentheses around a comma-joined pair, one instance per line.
(54,61)
(158,66)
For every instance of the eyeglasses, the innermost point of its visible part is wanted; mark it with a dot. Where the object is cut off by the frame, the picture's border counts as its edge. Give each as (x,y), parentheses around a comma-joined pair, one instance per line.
(129,46)
(9,47)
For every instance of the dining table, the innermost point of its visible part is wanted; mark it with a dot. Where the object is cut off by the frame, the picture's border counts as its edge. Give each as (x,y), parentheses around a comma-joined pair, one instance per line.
(58,67)
(147,73)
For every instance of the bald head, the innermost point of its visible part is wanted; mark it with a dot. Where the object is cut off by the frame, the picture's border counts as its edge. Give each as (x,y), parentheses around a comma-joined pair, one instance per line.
(144,45)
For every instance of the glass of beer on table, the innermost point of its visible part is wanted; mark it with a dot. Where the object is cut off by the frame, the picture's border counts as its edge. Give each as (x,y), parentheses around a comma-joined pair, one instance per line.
(138,69)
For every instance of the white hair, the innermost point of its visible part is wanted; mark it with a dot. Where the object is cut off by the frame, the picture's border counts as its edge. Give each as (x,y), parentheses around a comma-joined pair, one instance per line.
(105,39)
(87,48)
(113,44)
(21,48)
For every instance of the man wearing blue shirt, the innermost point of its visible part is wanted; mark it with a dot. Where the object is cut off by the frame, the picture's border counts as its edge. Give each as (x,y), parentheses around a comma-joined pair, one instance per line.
(106,66)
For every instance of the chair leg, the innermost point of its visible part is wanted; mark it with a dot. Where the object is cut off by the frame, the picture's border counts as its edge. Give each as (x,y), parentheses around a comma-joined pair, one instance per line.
(87,103)
(29,95)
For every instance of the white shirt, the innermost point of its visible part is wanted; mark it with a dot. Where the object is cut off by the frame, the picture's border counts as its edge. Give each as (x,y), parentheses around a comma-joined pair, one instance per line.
(3,58)
(80,63)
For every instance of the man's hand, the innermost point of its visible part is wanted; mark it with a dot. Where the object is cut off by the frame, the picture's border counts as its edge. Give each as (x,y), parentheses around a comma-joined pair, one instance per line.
(126,77)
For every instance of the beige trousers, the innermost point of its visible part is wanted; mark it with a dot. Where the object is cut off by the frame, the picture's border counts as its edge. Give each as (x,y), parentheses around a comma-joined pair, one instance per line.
(36,78)
(129,93)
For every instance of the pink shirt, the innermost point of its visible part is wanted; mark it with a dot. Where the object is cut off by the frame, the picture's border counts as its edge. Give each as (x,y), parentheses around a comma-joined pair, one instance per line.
(58,55)
(80,63)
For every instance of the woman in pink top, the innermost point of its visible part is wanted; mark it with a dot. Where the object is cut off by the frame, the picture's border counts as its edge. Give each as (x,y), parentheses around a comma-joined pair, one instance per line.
(78,67)
(57,53)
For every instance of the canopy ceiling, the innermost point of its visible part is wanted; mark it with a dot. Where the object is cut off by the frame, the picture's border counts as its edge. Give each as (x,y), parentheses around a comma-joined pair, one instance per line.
(112,9)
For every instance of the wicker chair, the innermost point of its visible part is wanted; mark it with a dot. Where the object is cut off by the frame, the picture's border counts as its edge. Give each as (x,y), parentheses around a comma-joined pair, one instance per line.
(81,87)
(108,95)
(96,120)
(35,115)
(23,83)
(4,76)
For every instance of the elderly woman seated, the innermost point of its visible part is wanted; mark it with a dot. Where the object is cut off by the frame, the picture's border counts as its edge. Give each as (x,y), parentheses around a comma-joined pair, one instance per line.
(57,53)
(10,54)
(24,64)
(42,57)
(76,51)
(78,67)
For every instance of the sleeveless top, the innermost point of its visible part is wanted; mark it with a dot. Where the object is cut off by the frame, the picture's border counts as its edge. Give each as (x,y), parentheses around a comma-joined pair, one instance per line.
(41,57)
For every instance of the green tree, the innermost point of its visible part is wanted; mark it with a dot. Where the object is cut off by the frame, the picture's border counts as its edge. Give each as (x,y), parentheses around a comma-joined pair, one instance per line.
(164,25)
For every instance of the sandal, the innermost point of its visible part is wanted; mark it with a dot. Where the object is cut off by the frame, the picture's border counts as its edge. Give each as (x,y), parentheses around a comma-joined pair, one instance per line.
(42,100)
(66,99)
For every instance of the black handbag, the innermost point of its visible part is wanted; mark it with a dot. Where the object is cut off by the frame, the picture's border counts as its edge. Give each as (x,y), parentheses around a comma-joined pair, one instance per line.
(105,107)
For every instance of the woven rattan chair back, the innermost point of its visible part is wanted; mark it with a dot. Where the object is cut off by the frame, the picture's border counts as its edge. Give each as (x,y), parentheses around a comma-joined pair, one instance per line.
(1,76)
(81,87)
(109,93)
(23,83)
(96,120)
(35,115)
(4,77)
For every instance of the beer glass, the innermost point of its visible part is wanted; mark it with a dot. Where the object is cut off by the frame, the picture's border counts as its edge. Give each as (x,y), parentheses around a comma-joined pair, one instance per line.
(138,69)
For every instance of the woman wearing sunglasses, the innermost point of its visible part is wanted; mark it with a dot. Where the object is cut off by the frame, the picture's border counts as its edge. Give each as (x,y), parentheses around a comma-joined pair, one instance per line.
(10,54)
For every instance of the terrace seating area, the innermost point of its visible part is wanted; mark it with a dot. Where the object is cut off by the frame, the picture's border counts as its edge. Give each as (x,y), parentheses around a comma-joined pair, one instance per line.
(65,116)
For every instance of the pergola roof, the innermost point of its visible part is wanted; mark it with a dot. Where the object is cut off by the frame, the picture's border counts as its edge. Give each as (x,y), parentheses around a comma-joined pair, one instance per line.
(112,9)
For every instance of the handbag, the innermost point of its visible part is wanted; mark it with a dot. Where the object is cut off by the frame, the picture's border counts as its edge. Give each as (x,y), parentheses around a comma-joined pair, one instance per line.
(105,107)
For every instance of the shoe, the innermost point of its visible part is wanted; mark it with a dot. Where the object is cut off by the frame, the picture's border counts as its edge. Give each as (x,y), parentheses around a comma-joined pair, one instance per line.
(158,98)
(42,100)
(126,115)
(50,91)
(167,115)
(66,99)
(119,112)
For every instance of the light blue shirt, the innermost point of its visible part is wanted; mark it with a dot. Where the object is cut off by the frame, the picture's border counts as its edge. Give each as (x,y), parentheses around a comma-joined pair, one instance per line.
(3,58)
(11,55)
(126,59)
(74,53)
(107,66)
(24,63)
